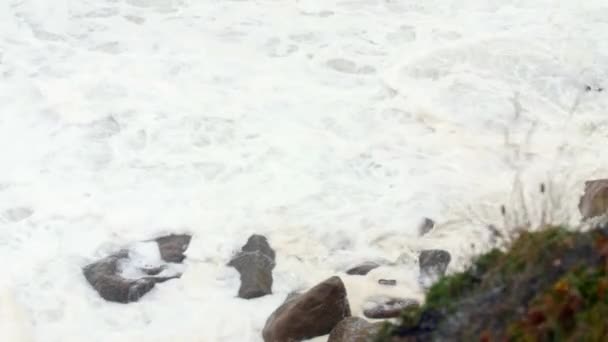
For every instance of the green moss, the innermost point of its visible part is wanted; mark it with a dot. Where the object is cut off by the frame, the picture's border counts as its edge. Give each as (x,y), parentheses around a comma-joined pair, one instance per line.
(573,309)
(443,293)
(532,247)
(488,260)
(410,316)
(385,333)
(498,284)
(450,288)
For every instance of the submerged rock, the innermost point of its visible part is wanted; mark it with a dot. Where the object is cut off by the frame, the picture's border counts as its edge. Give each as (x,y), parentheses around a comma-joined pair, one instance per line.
(433,263)
(104,276)
(311,314)
(426,226)
(255,263)
(594,201)
(387,307)
(172,247)
(354,329)
(363,269)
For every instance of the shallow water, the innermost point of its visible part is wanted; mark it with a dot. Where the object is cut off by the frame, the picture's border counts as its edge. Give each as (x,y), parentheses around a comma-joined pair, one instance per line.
(331,127)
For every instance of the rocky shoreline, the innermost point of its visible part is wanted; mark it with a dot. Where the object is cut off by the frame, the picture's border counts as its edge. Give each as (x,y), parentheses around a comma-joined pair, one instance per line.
(324,309)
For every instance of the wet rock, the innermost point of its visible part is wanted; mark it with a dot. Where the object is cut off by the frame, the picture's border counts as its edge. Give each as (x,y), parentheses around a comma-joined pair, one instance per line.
(426,226)
(172,247)
(354,329)
(589,88)
(104,276)
(363,268)
(387,307)
(292,295)
(594,201)
(255,263)
(433,264)
(311,314)
(387,282)
(152,271)
(406,259)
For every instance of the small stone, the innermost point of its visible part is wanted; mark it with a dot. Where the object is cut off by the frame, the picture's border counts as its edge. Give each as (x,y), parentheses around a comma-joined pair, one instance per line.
(363,268)
(426,226)
(387,282)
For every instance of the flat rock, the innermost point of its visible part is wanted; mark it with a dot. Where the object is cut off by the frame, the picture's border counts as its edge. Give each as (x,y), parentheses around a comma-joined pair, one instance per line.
(354,329)
(172,247)
(387,282)
(594,201)
(313,313)
(255,263)
(387,307)
(363,269)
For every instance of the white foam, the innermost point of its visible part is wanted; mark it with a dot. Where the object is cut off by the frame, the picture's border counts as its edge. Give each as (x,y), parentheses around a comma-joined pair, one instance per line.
(331,127)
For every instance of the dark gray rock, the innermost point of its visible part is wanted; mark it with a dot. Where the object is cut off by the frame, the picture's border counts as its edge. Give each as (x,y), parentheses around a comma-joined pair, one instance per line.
(255,263)
(426,226)
(387,307)
(433,263)
(104,276)
(314,313)
(363,268)
(387,282)
(172,247)
(354,329)
(258,243)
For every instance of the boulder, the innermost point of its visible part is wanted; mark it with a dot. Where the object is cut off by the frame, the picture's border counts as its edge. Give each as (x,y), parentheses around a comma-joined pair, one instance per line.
(354,329)
(255,263)
(363,269)
(314,313)
(104,276)
(172,247)
(594,201)
(387,307)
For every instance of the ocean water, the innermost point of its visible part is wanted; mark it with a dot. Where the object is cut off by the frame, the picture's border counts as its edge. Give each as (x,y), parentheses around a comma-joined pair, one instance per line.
(331,127)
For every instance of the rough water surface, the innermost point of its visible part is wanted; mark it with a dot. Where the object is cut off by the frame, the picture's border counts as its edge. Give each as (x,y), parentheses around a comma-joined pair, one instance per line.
(330,127)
